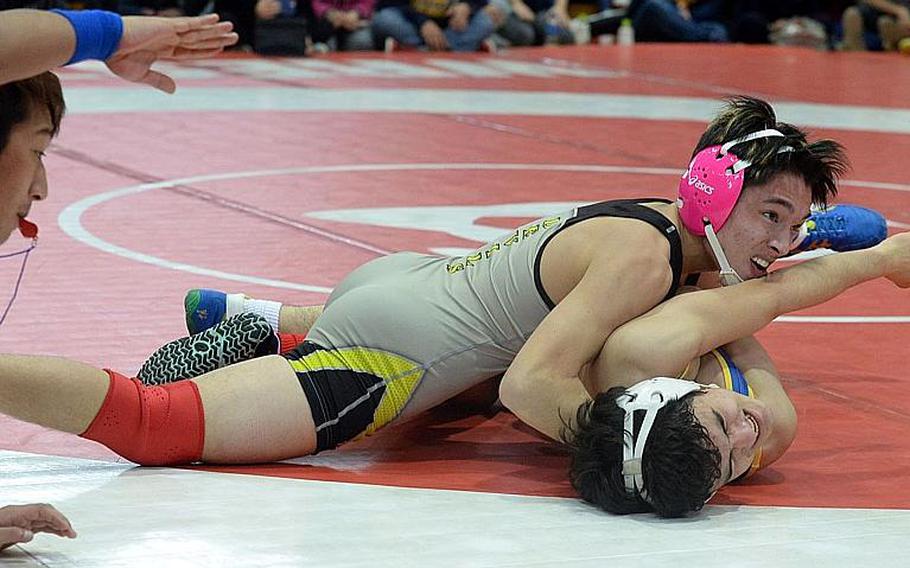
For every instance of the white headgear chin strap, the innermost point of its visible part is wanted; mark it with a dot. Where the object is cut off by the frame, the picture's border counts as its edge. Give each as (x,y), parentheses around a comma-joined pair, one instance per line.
(728,276)
(650,396)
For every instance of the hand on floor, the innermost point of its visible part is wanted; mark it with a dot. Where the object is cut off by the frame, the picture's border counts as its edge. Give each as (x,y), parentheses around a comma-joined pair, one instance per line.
(19,523)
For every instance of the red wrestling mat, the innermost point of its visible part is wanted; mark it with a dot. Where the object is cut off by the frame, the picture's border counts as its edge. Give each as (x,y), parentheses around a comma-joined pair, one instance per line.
(112,306)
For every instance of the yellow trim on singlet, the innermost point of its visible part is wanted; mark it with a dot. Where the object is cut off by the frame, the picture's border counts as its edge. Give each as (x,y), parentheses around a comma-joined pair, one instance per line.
(399,374)
(358,359)
(685,371)
(756,463)
(728,375)
(728,384)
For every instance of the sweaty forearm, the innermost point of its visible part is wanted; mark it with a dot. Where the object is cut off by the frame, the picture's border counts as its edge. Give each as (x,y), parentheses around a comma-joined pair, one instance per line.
(47,38)
(819,280)
(746,308)
(548,407)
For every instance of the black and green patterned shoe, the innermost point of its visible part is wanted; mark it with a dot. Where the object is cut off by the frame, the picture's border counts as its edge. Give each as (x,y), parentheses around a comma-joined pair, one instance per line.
(238,338)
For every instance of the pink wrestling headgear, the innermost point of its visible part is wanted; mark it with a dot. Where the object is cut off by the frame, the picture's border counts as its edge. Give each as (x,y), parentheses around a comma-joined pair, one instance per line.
(709,190)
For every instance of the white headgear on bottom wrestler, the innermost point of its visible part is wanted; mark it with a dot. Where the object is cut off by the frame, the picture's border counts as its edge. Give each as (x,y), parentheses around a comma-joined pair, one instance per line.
(650,396)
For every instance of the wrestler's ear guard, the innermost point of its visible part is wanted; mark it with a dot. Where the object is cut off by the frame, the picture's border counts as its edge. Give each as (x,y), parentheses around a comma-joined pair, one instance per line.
(650,396)
(710,187)
(708,192)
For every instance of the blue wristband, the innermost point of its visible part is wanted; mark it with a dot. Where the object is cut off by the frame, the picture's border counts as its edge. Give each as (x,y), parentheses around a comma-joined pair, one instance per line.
(98,33)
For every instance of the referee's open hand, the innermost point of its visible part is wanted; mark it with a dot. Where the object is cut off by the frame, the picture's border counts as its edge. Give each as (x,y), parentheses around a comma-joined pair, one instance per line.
(147,40)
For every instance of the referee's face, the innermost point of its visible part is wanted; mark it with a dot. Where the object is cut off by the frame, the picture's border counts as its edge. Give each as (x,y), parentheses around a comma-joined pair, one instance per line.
(23,179)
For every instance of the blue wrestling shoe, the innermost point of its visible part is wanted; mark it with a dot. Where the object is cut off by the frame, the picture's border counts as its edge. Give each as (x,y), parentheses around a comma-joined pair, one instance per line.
(842,228)
(238,338)
(204,308)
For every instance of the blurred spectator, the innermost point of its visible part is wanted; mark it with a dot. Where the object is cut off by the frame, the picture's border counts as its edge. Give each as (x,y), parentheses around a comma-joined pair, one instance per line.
(534,22)
(786,22)
(438,25)
(871,22)
(680,20)
(609,19)
(343,25)
(282,27)
(164,8)
(33,4)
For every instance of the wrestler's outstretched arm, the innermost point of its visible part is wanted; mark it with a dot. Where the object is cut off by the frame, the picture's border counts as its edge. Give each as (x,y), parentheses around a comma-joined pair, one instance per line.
(246,413)
(664,340)
(50,40)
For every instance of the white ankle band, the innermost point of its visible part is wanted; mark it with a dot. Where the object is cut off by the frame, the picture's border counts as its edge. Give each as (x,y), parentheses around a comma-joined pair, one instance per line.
(266,308)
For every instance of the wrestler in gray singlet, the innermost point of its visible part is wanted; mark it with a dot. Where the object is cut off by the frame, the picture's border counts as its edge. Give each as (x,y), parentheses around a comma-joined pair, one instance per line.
(460,319)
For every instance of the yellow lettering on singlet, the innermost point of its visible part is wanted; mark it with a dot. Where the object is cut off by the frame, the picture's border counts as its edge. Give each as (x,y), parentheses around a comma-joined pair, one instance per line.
(473,259)
(523,233)
(551,222)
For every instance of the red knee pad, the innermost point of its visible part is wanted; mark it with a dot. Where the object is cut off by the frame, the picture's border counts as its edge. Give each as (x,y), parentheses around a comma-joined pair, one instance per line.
(150,425)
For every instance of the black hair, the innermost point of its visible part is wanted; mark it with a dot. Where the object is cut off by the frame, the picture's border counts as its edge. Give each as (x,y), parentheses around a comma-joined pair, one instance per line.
(19,99)
(820,163)
(680,463)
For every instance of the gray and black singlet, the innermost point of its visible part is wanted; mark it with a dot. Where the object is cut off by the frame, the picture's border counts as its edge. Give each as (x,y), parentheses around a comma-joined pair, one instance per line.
(407,331)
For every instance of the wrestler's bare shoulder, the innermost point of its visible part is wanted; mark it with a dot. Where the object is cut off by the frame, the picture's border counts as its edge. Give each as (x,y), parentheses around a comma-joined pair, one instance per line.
(601,242)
